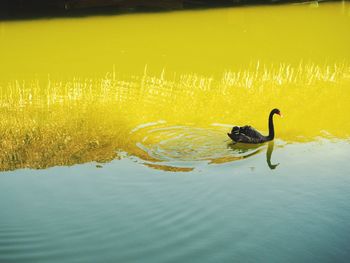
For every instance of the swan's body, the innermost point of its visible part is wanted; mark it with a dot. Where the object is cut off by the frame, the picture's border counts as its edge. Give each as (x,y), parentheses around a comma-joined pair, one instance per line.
(248,134)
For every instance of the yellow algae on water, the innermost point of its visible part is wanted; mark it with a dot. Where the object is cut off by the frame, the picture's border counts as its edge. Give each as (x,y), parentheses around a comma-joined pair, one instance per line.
(168,87)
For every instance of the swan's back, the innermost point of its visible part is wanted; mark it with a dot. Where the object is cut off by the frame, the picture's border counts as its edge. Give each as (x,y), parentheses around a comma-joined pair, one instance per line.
(250,132)
(246,134)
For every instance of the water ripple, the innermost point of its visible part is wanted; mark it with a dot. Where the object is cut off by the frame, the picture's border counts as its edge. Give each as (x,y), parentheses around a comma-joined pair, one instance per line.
(181,147)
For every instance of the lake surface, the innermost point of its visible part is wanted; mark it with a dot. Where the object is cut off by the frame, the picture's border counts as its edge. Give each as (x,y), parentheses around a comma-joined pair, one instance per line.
(113,136)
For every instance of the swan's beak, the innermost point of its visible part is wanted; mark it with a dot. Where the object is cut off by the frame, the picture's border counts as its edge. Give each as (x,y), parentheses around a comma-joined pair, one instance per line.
(281,115)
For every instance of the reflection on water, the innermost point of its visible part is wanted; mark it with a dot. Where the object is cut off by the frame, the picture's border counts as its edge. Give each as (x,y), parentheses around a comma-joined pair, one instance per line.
(242,151)
(65,123)
(268,155)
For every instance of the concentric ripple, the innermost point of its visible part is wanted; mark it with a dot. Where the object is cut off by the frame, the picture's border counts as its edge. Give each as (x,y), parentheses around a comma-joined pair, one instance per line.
(186,144)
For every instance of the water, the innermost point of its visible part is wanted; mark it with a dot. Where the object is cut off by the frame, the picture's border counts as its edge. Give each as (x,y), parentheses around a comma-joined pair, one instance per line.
(114,146)
(242,211)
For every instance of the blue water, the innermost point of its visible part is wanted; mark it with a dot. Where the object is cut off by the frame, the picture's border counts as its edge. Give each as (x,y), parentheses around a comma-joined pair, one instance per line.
(240,211)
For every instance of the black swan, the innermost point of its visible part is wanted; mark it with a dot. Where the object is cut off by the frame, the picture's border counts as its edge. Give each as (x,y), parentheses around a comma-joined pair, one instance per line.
(248,134)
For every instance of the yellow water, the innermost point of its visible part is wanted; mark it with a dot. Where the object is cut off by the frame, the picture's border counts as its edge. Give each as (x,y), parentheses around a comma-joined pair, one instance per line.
(167,87)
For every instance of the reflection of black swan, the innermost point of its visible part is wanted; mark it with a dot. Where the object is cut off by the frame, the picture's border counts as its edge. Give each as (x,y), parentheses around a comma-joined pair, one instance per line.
(248,150)
(248,134)
(268,156)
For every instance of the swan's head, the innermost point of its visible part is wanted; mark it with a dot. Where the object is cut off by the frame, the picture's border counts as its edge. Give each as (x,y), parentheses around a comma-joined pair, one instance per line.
(276,111)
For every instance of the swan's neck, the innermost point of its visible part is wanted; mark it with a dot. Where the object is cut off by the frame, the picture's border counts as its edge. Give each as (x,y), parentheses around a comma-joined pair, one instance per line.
(271,128)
